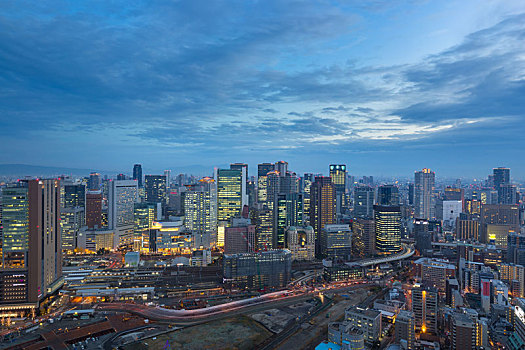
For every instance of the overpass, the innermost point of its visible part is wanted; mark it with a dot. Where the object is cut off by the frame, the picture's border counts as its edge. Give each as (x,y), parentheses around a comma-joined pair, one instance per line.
(406,252)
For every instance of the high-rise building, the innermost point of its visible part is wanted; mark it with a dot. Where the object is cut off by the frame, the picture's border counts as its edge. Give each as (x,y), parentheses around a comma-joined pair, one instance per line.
(167,176)
(463,332)
(501,176)
(423,193)
(467,228)
(508,194)
(301,242)
(405,329)
(200,208)
(231,193)
(121,204)
(155,188)
(338,176)
(336,242)
(71,221)
(94,181)
(388,195)
(516,248)
(137,174)
(31,253)
(288,211)
(425,309)
(264,229)
(498,214)
(144,214)
(363,201)
(94,209)
(240,238)
(364,232)
(262,180)
(422,236)
(388,229)
(258,270)
(322,206)
(367,320)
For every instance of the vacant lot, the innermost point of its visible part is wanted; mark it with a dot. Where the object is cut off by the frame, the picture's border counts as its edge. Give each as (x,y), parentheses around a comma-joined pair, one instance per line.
(234,333)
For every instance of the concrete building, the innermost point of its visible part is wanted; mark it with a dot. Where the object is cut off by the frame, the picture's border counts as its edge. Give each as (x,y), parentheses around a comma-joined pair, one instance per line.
(366,320)
(31,253)
(322,206)
(301,242)
(336,242)
(425,309)
(388,229)
(258,270)
(424,187)
(463,332)
(94,209)
(363,238)
(240,239)
(434,272)
(363,201)
(451,211)
(405,329)
(200,209)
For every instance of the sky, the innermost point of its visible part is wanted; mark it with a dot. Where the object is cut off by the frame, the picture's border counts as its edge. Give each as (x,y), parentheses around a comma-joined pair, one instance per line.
(386,87)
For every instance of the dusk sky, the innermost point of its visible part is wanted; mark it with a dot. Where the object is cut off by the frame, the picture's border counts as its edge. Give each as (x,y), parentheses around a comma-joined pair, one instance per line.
(386,89)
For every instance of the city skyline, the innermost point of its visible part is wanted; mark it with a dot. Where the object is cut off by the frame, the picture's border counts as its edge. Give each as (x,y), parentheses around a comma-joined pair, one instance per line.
(385,89)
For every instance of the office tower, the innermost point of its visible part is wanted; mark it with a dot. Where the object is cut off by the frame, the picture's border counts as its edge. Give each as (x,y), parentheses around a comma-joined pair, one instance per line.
(262,180)
(121,203)
(405,329)
(73,195)
(258,270)
(363,201)
(467,228)
(516,248)
(472,206)
(281,166)
(422,236)
(231,193)
(31,268)
(200,209)
(144,214)
(94,209)
(301,242)
(463,332)
(338,176)
(167,176)
(240,238)
(137,174)
(264,229)
(411,193)
(155,188)
(451,211)
(423,193)
(454,194)
(94,181)
(388,195)
(121,177)
(425,309)
(336,242)
(508,194)
(364,229)
(388,229)
(504,215)
(288,212)
(514,275)
(71,221)
(322,206)
(501,176)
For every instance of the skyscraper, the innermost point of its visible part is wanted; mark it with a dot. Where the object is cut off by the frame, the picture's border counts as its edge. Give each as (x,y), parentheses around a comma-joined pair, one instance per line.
(363,201)
(137,174)
(338,176)
(262,180)
(322,206)
(31,268)
(231,193)
(121,202)
(167,176)
(388,228)
(405,329)
(501,176)
(155,188)
(423,193)
(94,181)
(388,195)
(144,214)
(200,209)
(94,209)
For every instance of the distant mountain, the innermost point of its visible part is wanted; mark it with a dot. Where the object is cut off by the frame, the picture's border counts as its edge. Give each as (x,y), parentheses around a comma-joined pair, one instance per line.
(21,170)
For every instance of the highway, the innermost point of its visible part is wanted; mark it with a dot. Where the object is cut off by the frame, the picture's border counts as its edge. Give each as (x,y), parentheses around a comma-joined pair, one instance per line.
(406,252)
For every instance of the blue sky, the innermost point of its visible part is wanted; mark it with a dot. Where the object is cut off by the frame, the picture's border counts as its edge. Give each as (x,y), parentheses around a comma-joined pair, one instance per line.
(385,88)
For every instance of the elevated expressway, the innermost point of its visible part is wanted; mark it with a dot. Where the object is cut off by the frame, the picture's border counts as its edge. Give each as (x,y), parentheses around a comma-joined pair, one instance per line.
(406,252)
